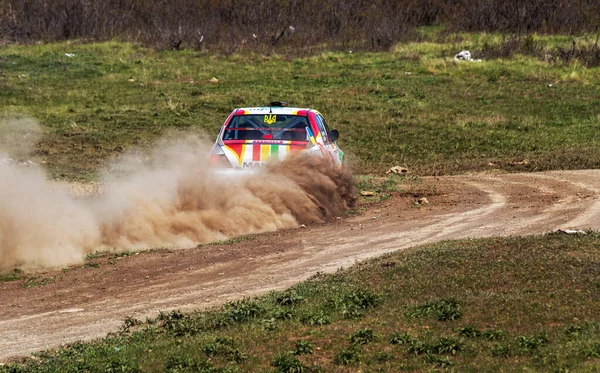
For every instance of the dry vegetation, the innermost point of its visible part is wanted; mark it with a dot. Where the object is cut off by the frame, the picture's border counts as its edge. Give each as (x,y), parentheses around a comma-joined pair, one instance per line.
(290,25)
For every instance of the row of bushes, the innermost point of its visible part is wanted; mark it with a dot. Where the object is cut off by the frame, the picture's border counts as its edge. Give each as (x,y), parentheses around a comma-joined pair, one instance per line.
(262,26)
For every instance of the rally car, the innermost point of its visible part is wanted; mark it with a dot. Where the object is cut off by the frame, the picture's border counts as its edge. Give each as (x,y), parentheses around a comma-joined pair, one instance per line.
(250,137)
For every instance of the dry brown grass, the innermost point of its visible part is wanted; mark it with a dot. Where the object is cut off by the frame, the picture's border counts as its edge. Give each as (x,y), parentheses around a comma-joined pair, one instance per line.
(293,26)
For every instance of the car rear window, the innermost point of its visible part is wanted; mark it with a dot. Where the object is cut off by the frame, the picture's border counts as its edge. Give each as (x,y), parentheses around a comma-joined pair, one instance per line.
(267,127)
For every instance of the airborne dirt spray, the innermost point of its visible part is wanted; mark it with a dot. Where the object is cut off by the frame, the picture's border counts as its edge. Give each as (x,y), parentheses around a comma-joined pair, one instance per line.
(169,198)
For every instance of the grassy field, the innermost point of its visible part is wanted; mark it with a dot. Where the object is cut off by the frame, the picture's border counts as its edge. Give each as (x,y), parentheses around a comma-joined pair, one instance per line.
(504,304)
(508,304)
(413,106)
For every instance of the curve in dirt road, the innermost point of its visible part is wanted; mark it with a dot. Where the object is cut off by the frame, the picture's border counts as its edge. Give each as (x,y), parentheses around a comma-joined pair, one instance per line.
(86,303)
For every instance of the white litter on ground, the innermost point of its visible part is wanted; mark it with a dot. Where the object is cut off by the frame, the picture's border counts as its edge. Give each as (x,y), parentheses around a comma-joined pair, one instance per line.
(465,55)
(571,231)
(397,170)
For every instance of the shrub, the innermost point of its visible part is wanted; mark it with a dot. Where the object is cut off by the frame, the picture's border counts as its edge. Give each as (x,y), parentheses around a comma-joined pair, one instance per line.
(178,323)
(438,361)
(224,347)
(401,339)
(442,309)
(363,336)
(303,348)
(469,331)
(179,364)
(494,335)
(287,363)
(354,303)
(445,345)
(529,343)
(317,319)
(348,356)
(243,310)
(289,298)
(501,350)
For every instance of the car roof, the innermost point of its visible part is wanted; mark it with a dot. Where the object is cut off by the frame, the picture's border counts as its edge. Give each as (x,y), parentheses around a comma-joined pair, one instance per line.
(271,110)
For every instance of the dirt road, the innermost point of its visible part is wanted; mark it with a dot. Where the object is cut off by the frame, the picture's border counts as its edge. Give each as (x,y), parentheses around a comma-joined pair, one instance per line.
(85,303)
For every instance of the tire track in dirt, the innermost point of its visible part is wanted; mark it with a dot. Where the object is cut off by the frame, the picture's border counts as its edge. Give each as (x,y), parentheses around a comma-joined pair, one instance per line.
(86,303)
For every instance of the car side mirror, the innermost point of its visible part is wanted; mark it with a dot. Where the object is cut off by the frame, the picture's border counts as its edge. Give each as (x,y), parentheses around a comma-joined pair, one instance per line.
(334,135)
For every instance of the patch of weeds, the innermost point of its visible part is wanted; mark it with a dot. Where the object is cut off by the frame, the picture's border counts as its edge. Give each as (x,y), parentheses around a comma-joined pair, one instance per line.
(501,350)
(236,356)
(469,332)
(303,348)
(124,254)
(447,345)
(129,323)
(574,331)
(361,298)
(580,330)
(384,197)
(438,361)
(562,369)
(281,314)
(354,303)
(244,310)
(382,186)
(382,357)
(176,364)
(288,363)
(442,346)
(417,348)
(545,358)
(352,312)
(494,335)
(15,274)
(348,356)
(530,343)
(218,346)
(91,265)
(269,325)
(112,260)
(316,318)
(363,336)
(390,184)
(590,350)
(33,282)
(316,368)
(218,320)
(234,240)
(401,339)
(223,346)
(119,366)
(96,255)
(441,309)
(178,324)
(289,298)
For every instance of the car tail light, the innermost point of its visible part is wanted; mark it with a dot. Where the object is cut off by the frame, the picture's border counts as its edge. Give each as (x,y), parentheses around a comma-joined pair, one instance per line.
(219,160)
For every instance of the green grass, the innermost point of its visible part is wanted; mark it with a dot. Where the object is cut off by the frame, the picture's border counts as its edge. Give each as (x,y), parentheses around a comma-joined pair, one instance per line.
(26,280)
(510,304)
(14,275)
(413,106)
(476,305)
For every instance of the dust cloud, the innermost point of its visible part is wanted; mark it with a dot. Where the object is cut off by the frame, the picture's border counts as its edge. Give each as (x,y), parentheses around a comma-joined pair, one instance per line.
(18,137)
(167,198)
